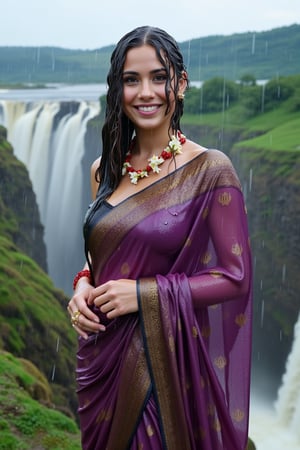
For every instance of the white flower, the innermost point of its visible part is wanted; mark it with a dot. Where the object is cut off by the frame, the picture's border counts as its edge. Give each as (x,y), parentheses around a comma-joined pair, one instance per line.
(134,176)
(175,146)
(154,162)
(143,173)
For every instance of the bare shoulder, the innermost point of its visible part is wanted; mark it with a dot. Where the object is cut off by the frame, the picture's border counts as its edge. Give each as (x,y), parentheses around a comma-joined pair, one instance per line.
(95,166)
(220,163)
(195,149)
(192,149)
(215,154)
(94,182)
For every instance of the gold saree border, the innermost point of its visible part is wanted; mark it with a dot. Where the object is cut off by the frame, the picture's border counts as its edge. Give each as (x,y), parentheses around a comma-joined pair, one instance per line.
(165,380)
(130,401)
(185,183)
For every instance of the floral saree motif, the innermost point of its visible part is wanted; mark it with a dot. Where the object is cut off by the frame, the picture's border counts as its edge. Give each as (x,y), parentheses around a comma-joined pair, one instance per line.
(175,375)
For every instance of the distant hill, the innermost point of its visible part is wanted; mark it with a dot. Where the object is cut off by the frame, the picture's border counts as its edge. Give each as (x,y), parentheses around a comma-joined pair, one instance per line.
(263,54)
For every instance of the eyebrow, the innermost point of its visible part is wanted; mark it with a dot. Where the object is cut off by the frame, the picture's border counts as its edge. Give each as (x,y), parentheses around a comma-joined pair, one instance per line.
(132,72)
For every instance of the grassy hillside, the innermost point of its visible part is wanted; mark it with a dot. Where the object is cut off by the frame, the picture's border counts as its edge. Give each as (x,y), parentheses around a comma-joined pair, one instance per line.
(37,343)
(263,54)
(27,419)
(265,117)
(283,136)
(274,130)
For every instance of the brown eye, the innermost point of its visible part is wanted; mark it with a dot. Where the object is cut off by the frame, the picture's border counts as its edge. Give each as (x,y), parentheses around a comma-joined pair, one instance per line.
(160,78)
(130,80)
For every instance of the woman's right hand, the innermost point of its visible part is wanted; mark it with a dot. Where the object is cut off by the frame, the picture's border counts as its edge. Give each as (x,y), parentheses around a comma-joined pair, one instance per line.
(83,320)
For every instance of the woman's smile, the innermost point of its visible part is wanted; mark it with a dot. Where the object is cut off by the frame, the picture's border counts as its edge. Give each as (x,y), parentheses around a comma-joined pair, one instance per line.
(147,109)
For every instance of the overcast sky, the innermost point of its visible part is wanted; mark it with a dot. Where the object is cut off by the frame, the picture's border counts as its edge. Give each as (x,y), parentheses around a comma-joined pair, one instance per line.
(90,24)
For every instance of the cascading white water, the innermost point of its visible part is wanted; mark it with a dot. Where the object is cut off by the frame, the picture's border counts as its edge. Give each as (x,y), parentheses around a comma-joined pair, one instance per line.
(63,214)
(277,427)
(288,402)
(48,137)
(31,139)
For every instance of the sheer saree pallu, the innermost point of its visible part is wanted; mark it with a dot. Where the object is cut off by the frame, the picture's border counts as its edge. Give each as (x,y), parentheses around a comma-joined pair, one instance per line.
(175,375)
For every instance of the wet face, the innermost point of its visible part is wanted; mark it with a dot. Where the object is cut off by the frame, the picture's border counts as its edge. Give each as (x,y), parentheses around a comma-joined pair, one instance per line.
(144,84)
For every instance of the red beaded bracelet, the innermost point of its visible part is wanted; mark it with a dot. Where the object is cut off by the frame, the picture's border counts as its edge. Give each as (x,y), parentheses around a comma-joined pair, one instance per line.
(81,274)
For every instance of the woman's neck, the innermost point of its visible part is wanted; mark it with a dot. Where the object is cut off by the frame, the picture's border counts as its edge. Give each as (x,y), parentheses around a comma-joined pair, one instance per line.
(150,142)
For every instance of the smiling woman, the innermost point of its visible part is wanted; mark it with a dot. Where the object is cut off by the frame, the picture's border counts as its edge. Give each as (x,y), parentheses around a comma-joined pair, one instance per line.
(145,81)
(163,306)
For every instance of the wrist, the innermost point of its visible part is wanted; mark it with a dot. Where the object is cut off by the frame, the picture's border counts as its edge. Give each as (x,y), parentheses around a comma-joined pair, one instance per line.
(82,275)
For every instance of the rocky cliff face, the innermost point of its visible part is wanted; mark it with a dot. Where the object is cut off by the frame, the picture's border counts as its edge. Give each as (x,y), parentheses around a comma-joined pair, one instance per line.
(19,212)
(34,323)
(272,190)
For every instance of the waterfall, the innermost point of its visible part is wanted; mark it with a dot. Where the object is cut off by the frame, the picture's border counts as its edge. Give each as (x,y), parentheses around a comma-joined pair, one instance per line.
(48,137)
(288,402)
(277,427)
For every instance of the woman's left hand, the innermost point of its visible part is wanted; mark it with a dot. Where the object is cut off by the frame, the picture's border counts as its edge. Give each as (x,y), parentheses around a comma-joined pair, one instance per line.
(115,298)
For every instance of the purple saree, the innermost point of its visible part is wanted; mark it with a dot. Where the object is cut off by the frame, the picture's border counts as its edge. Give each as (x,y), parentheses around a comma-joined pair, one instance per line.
(176,375)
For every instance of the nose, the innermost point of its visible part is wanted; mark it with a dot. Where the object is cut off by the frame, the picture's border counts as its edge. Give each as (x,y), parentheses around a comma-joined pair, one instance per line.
(146,90)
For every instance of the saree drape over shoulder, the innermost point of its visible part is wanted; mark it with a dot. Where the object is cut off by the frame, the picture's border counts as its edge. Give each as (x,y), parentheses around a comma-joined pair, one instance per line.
(175,375)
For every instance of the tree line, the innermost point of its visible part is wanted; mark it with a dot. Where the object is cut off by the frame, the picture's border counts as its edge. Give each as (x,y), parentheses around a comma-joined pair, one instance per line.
(218,94)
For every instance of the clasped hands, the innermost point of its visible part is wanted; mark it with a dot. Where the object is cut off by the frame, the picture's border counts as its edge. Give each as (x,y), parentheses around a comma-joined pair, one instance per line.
(114,298)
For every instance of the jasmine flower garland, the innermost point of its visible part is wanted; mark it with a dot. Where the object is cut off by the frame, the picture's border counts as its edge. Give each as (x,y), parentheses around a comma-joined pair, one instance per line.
(173,148)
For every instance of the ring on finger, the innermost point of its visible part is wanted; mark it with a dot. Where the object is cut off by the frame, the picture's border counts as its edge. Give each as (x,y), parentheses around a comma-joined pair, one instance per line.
(75,317)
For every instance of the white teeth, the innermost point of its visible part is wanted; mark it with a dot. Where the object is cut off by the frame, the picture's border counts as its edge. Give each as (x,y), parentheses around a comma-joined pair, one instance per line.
(147,108)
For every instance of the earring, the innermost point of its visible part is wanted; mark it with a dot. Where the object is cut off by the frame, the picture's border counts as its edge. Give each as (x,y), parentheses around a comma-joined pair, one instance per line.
(180,96)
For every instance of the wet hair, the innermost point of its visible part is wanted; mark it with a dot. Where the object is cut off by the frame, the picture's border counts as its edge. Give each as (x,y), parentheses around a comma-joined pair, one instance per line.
(118,130)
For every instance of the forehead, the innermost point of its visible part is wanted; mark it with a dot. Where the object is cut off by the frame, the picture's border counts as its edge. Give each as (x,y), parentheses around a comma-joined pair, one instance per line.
(142,57)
